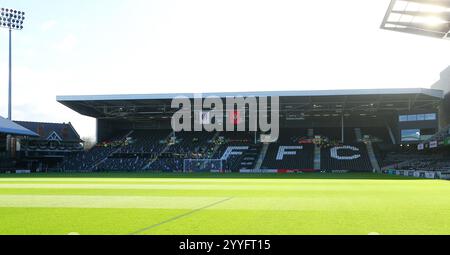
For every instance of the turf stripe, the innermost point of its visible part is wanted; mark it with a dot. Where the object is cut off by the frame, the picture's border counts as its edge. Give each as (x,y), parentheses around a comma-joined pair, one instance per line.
(180,216)
(91,201)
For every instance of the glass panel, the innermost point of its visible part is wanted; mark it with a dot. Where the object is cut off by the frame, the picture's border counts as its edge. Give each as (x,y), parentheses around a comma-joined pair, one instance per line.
(412,117)
(403,118)
(430,116)
(410,135)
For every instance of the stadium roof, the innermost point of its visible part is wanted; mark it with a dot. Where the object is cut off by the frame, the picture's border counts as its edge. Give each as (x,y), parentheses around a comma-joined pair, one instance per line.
(9,127)
(422,17)
(113,106)
(63,131)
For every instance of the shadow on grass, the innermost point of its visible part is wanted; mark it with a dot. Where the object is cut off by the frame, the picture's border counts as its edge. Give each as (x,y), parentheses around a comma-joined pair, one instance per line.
(347,176)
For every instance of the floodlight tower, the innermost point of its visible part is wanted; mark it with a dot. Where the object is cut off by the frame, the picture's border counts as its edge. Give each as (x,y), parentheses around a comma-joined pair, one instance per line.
(13,20)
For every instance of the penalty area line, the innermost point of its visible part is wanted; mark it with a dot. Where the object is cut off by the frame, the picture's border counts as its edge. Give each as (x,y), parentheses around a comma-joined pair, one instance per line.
(180,216)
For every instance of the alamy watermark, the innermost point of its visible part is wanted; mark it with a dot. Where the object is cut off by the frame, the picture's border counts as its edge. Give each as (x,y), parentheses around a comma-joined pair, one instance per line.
(213,113)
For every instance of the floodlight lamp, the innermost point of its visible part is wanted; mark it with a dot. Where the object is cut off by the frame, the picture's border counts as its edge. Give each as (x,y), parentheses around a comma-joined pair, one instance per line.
(12,19)
(422,17)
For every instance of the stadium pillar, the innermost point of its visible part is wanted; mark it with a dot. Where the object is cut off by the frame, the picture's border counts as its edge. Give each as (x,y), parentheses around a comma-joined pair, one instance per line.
(7,148)
(10,146)
(342,127)
(10,77)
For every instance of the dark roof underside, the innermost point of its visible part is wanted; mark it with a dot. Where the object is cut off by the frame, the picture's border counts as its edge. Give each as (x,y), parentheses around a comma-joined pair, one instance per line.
(159,105)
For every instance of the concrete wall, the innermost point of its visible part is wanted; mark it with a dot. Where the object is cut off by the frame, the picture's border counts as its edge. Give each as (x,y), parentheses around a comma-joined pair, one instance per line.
(444,82)
(444,108)
(444,112)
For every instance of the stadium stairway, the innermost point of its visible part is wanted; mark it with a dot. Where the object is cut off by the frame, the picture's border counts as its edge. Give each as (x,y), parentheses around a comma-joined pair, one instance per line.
(250,158)
(372,156)
(216,146)
(262,155)
(112,152)
(391,134)
(317,157)
(247,160)
(166,148)
(106,152)
(310,132)
(358,134)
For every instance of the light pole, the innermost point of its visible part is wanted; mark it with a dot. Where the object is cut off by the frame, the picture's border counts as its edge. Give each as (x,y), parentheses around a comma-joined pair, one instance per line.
(13,20)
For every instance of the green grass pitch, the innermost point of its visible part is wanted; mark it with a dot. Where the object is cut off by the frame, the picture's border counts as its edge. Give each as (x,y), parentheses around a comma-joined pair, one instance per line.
(153,204)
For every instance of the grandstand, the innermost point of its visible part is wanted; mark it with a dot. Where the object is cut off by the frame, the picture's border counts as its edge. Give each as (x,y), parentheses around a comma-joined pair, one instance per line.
(10,135)
(340,130)
(47,150)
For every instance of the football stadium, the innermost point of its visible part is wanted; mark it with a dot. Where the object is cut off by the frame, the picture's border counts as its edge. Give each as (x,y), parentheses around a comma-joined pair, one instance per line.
(299,162)
(345,162)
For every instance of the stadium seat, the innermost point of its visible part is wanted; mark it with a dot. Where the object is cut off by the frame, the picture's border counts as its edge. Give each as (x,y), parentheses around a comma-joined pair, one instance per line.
(351,157)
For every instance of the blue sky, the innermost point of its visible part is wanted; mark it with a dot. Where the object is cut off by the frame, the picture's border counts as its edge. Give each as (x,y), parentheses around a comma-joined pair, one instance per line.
(140,46)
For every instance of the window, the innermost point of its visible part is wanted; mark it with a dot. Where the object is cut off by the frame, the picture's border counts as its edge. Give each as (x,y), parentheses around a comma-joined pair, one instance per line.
(412,117)
(417,117)
(430,116)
